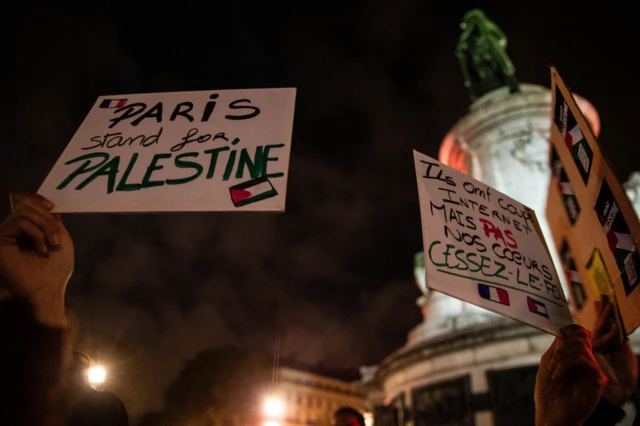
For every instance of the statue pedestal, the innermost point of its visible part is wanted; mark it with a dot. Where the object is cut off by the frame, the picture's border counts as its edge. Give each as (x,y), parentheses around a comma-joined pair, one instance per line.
(443,314)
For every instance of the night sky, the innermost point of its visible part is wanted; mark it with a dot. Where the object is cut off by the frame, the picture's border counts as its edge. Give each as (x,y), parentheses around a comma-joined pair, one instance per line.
(375,80)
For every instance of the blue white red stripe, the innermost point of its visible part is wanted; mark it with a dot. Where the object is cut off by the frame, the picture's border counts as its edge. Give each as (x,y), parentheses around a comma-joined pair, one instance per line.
(495,294)
(113,103)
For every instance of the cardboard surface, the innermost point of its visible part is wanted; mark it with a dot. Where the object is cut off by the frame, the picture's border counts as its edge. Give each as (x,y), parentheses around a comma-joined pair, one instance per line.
(605,221)
(487,249)
(224,150)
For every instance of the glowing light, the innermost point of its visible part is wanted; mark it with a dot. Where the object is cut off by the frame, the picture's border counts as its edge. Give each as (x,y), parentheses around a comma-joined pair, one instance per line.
(273,408)
(97,374)
(418,272)
(368,419)
(271,423)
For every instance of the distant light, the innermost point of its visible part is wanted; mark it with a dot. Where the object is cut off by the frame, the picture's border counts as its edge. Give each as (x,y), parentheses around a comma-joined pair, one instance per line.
(273,408)
(368,419)
(97,375)
(271,423)
(419,271)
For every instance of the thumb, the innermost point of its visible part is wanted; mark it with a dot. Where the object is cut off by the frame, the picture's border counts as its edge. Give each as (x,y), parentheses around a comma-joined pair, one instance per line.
(17,197)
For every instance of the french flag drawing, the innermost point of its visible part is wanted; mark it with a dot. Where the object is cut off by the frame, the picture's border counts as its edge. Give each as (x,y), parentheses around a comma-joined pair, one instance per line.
(252,191)
(113,103)
(537,307)
(494,294)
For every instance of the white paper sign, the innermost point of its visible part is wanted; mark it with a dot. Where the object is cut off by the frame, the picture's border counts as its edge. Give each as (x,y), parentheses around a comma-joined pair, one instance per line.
(487,249)
(221,150)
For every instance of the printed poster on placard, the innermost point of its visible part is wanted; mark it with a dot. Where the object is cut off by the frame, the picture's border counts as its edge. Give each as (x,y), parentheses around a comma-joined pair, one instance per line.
(571,205)
(619,238)
(220,150)
(573,137)
(599,277)
(487,249)
(574,279)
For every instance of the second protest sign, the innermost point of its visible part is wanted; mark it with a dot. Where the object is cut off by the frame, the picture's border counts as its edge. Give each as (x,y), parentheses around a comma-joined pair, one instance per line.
(485,248)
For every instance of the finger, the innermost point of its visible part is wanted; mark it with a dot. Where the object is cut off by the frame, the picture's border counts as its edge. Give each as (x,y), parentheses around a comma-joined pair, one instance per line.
(34,232)
(61,227)
(579,370)
(574,330)
(604,310)
(37,202)
(572,349)
(579,338)
(549,353)
(607,311)
(584,355)
(608,341)
(18,198)
(552,364)
(583,366)
(605,365)
(552,354)
(44,220)
(606,332)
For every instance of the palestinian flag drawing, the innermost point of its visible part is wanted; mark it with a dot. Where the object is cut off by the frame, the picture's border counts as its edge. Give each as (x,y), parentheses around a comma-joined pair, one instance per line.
(619,237)
(252,191)
(537,307)
(573,137)
(569,199)
(573,276)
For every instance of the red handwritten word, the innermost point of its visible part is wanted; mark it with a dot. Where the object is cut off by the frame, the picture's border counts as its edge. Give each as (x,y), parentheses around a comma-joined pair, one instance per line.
(491,230)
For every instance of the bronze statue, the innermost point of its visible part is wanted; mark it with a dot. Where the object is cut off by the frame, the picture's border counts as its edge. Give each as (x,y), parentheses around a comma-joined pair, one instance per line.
(482,54)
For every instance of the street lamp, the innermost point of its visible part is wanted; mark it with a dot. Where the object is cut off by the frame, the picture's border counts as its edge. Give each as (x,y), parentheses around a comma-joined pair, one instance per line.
(273,411)
(368,419)
(273,407)
(97,374)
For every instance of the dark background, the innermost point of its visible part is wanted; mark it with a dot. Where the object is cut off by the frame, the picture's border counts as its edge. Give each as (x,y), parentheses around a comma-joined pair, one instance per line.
(375,80)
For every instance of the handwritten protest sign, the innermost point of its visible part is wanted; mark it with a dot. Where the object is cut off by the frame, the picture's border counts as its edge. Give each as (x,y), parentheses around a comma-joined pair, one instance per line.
(591,218)
(183,151)
(487,249)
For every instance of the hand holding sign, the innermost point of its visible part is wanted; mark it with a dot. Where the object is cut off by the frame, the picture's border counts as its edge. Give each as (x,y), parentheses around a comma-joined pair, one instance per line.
(615,357)
(36,256)
(569,382)
(485,248)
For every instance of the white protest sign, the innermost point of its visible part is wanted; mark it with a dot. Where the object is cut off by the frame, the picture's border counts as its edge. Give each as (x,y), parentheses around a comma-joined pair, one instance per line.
(223,150)
(487,249)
